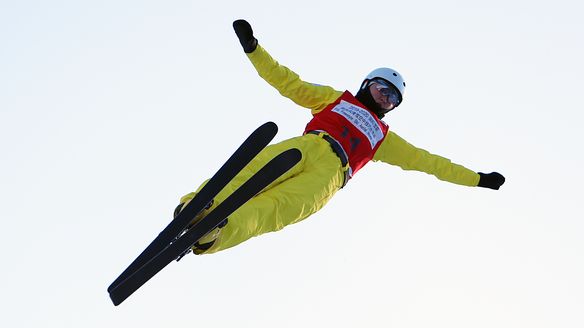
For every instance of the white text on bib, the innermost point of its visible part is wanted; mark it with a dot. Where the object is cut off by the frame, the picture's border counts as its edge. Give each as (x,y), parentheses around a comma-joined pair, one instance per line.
(361,119)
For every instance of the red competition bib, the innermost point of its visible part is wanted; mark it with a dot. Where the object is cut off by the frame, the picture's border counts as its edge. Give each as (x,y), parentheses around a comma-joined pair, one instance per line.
(357,129)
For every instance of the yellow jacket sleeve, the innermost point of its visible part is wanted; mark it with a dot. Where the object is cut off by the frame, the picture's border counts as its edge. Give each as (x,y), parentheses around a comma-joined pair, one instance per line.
(312,96)
(396,151)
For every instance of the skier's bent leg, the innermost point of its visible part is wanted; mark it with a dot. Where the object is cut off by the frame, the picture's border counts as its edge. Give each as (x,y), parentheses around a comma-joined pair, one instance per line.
(259,161)
(289,201)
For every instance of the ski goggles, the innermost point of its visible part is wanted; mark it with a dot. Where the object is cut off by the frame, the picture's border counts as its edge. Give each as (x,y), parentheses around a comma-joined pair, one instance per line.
(387,90)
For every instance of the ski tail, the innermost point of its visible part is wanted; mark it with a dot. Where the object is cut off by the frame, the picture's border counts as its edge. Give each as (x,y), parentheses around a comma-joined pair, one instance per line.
(252,146)
(264,177)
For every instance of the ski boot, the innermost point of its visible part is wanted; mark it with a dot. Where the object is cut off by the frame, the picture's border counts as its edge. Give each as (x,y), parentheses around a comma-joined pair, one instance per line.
(209,239)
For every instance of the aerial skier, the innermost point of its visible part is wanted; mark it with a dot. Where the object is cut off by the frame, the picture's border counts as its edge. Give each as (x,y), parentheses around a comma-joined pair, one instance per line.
(345,133)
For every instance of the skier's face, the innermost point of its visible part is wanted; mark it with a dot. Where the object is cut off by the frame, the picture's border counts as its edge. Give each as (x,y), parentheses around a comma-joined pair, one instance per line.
(384,95)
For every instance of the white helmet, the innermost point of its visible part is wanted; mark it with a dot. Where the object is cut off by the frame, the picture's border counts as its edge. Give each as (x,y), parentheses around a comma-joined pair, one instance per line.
(391,76)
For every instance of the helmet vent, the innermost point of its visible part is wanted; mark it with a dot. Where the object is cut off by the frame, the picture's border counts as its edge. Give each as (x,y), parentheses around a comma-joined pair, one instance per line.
(394,74)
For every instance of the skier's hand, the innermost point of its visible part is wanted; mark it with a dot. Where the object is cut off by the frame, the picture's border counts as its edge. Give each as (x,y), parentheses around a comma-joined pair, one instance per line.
(245,35)
(492,180)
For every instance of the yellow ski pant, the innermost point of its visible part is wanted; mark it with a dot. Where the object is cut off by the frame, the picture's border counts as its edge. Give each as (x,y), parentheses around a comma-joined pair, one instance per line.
(300,192)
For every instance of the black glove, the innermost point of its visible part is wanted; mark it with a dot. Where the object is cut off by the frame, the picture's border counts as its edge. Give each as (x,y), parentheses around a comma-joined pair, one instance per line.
(492,180)
(245,35)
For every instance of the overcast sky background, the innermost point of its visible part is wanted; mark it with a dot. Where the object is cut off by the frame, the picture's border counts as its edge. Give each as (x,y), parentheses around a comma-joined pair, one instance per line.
(110,111)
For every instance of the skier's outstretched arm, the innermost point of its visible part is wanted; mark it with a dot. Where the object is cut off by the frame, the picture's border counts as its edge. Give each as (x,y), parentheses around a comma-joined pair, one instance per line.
(288,83)
(397,151)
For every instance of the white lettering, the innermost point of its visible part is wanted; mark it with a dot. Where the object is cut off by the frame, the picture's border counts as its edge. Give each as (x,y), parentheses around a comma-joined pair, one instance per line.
(362,119)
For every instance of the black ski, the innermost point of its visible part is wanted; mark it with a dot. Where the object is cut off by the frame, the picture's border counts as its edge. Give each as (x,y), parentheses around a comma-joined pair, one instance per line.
(266,175)
(257,141)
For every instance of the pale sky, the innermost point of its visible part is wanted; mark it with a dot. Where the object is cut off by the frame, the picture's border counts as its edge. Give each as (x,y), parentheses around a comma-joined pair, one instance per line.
(110,111)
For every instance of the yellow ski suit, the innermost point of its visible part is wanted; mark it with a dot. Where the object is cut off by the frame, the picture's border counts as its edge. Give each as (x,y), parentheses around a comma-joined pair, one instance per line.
(309,185)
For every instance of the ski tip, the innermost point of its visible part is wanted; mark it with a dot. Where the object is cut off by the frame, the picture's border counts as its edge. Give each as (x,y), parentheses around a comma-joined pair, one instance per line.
(290,156)
(116,299)
(295,154)
(270,126)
